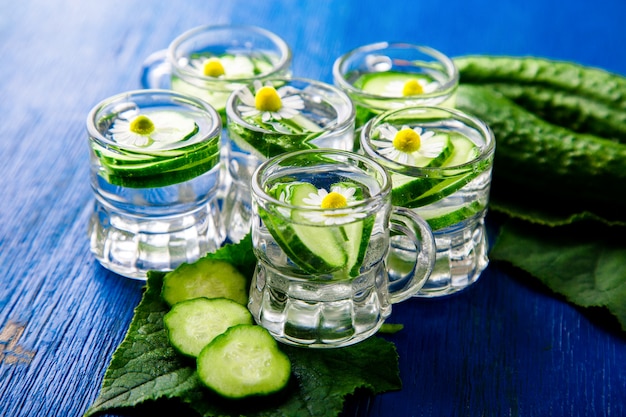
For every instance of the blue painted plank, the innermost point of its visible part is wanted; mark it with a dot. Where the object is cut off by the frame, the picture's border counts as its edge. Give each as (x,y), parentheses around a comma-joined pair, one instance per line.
(506,347)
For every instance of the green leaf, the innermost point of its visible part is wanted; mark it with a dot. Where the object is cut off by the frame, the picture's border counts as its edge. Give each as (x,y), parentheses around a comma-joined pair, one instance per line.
(586,264)
(145,369)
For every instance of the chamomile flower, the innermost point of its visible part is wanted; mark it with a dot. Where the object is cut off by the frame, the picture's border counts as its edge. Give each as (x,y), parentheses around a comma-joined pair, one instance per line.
(406,144)
(335,204)
(223,67)
(270,103)
(411,87)
(158,130)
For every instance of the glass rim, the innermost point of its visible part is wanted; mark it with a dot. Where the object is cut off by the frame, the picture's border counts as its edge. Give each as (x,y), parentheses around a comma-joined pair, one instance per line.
(179,99)
(469,120)
(338,126)
(282,64)
(448,64)
(258,191)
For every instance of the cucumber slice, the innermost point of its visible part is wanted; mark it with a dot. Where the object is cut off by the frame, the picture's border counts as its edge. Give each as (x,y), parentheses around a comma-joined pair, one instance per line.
(319,241)
(464,151)
(357,235)
(193,324)
(416,192)
(206,277)
(266,145)
(153,165)
(318,249)
(441,218)
(388,83)
(244,361)
(169,127)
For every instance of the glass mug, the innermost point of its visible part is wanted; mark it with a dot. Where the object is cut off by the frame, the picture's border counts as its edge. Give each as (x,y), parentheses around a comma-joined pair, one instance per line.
(210,62)
(155,173)
(384,76)
(440,161)
(314,115)
(322,229)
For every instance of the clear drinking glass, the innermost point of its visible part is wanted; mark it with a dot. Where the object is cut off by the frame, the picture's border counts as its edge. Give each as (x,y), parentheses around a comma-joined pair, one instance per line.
(384,76)
(155,172)
(440,162)
(308,115)
(210,62)
(323,227)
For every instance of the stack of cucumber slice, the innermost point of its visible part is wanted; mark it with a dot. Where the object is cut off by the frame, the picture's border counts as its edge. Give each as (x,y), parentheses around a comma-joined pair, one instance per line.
(174,158)
(208,321)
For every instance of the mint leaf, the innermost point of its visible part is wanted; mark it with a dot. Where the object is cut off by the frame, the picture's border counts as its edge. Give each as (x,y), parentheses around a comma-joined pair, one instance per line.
(586,265)
(146,370)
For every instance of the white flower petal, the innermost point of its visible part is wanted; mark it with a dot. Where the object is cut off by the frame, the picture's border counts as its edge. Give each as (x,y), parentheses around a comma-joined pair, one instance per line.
(246,96)
(279,127)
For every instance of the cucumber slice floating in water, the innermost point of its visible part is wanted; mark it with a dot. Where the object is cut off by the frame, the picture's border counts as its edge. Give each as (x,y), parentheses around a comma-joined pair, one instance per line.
(242,362)
(388,83)
(322,242)
(162,128)
(315,246)
(155,149)
(193,324)
(416,192)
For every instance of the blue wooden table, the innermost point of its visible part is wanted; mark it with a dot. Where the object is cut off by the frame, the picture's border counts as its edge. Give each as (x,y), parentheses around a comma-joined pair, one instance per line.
(506,347)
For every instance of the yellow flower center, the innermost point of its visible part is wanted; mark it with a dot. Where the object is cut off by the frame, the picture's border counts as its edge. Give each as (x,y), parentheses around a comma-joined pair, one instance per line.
(267,99)
(412,88)
(334,200)
(213,68)
(407,140)
(142,125)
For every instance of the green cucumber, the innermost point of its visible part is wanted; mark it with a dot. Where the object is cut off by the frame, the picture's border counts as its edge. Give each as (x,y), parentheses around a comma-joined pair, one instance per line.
(154,165)
(592,83)
(547,162)
(318,249)
(319,241)
(379,83)
(206,277)
(413,192)
(447,148)
(242,362)
(578,113)
(193,324)
(441,218)
(270,144)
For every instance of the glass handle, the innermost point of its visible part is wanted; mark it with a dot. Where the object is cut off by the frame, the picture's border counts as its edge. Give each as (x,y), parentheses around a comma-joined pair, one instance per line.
(156,71)
(412,252)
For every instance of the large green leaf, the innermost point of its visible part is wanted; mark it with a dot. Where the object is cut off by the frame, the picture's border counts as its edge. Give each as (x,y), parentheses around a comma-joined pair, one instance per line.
(147,373)
(585,263)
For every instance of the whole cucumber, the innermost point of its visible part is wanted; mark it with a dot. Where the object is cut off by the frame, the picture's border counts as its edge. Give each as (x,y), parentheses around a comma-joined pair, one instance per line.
(578,113)
(541,160)
(583,81)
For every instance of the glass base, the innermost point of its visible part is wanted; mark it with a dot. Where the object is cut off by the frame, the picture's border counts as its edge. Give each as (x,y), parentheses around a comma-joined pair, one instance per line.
(319,314)
(461,258)
(131,246)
